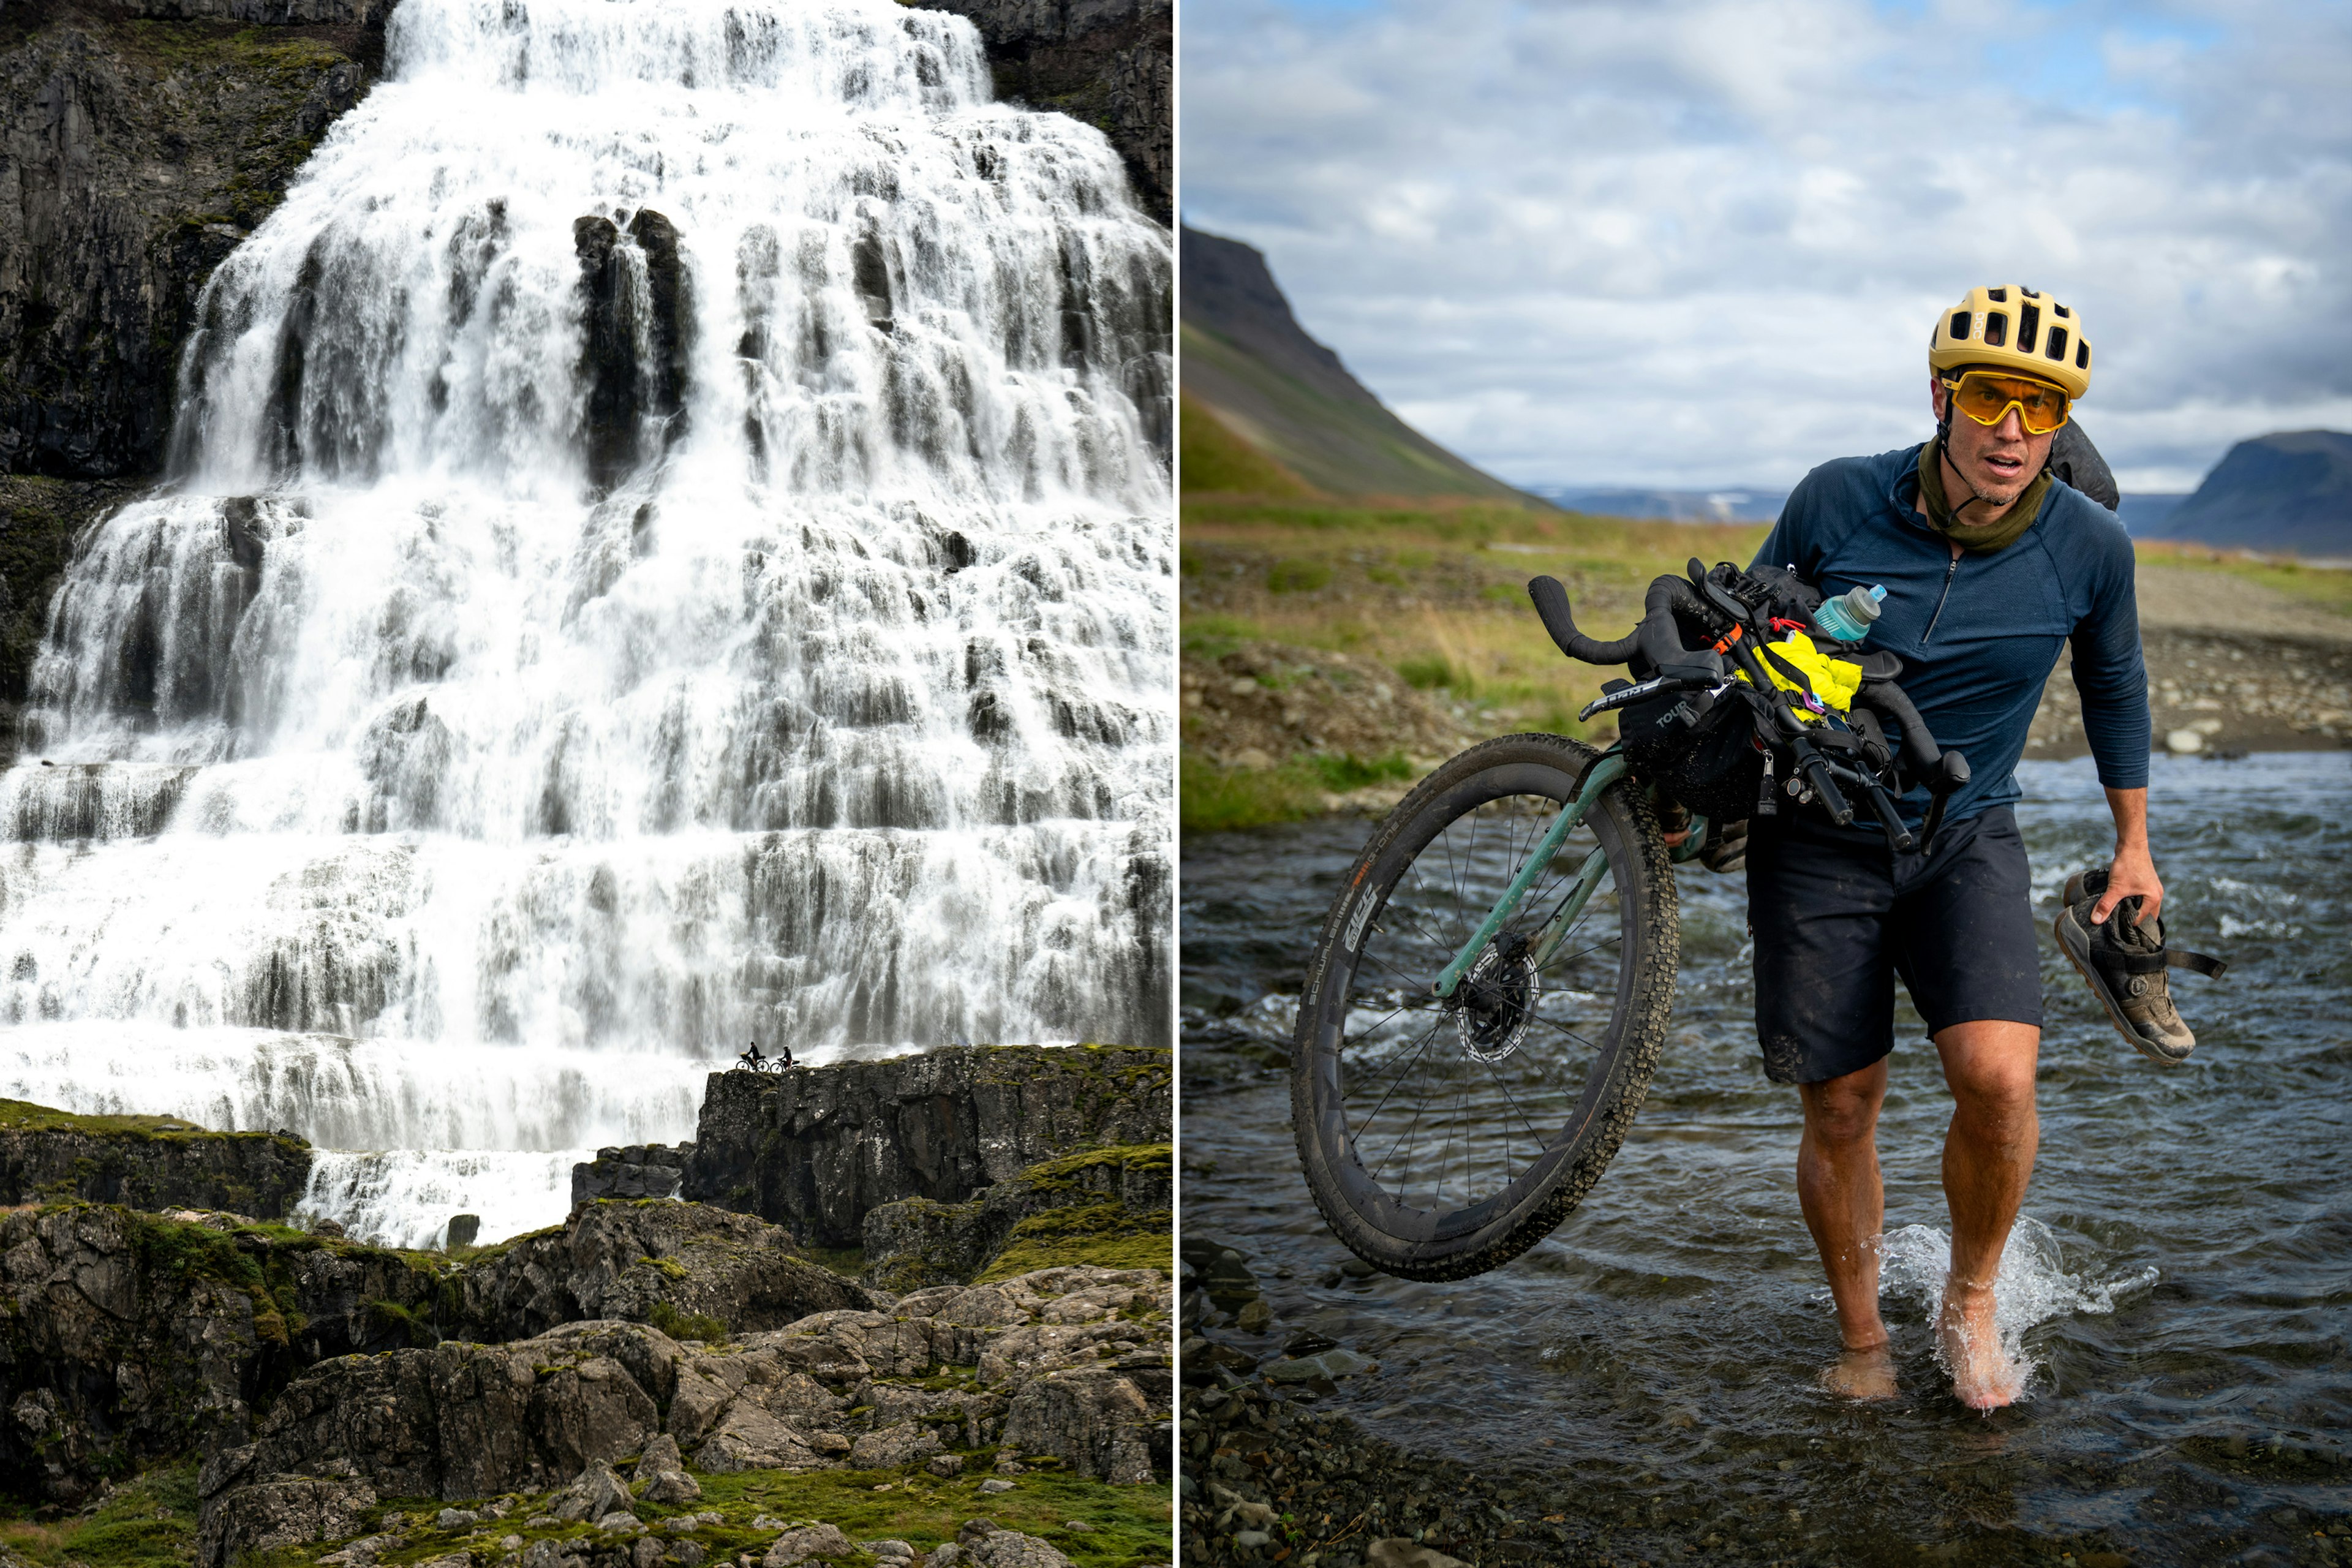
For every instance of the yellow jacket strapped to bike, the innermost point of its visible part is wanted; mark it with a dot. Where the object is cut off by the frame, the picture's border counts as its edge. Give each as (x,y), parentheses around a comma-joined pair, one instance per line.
(1835,681)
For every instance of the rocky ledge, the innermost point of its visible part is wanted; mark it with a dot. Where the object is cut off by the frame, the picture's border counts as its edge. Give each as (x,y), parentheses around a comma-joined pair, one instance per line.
(128,1337)
(147,1162)
(630,1170)
(816,1149)
(1063,1373)
(1113,1205)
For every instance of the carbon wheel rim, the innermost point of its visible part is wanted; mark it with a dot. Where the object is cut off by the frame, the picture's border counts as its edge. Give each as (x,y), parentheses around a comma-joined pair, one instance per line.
(1447,1117)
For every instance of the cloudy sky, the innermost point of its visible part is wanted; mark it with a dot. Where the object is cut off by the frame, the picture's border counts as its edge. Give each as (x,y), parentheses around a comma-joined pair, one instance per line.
(1669,242)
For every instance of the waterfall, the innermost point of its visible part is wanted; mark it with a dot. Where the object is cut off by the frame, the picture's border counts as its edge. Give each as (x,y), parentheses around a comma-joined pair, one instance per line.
(668,542)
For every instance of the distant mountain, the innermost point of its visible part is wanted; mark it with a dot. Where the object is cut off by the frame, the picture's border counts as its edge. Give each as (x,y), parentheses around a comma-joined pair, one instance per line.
(2143,516)
(1288,413)
(1746,504)
(2291,491)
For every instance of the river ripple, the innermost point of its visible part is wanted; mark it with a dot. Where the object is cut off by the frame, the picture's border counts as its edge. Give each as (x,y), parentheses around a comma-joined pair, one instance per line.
(2188,1250)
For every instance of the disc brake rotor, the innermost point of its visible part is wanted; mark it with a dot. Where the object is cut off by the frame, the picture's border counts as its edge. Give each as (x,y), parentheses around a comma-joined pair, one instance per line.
(1497,1000)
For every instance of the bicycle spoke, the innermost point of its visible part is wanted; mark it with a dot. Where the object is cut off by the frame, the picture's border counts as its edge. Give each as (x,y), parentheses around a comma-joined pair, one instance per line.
(1530,1126)
(1397,1082)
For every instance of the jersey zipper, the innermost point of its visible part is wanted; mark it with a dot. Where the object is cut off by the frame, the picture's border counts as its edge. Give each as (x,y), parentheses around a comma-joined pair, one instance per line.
(1949,572)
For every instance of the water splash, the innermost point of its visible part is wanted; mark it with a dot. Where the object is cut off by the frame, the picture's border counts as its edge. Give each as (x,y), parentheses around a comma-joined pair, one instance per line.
(669,545)
(2032,1286)
(405,1197)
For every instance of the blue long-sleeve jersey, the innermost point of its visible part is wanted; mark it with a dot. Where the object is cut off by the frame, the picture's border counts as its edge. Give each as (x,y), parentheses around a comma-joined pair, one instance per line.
(1978,636)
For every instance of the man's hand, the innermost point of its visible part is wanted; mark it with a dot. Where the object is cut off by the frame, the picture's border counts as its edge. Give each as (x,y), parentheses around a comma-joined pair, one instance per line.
(2133,870)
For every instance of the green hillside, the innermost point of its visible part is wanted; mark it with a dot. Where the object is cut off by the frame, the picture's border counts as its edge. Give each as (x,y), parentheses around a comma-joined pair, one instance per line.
(1249,365)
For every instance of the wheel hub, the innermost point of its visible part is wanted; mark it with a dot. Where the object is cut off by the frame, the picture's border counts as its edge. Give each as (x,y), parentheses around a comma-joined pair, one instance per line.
(1497,1000)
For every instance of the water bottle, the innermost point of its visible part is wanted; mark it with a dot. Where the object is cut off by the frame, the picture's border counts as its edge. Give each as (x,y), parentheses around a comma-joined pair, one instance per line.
(1848,617)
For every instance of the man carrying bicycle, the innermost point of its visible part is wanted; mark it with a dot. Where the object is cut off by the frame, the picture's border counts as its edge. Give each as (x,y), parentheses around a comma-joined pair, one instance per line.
(1990,566)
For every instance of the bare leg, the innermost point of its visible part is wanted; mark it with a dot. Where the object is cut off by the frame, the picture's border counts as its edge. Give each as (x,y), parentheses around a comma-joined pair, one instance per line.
(1845,1209)
(1988,1160)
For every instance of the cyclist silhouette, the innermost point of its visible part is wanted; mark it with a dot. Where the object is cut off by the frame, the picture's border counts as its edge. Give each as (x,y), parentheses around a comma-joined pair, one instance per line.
(752,1061)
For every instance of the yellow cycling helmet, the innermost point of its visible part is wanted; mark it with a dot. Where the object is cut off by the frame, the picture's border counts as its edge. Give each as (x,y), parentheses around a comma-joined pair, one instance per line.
(2015,330)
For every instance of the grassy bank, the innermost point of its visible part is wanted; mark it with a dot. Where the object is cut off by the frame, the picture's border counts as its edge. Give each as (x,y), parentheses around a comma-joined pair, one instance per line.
(1435,591)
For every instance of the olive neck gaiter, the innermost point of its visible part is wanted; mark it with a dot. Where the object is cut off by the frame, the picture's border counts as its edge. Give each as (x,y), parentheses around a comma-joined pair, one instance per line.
(1984,537)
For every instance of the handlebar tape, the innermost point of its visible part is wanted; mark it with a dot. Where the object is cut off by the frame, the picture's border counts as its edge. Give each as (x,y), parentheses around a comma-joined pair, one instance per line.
(1889,701)
(1551,608)
(1658,638)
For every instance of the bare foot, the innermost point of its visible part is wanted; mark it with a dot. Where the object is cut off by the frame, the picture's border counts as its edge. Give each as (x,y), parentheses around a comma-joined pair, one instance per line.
(1866,1374)
(1983,1376)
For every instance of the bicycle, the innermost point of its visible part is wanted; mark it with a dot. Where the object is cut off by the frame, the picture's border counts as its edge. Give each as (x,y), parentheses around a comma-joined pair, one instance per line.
(753,1062)
(1495,978)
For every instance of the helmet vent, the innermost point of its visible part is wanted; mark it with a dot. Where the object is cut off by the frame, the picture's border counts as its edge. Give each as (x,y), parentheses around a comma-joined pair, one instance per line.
(2059,311)
(1996,331)
(2029,321)
(1959,325)
(1998,296)
(2027,294)
(2082,355)
(2057,349)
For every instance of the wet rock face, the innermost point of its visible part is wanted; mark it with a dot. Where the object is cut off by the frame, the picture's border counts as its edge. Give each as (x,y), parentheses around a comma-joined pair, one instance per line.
(38,520)
(645,1262)
(147,1162)
(1070,1363)
(815,1149)
(633,357)
(1108,62)
(140,152)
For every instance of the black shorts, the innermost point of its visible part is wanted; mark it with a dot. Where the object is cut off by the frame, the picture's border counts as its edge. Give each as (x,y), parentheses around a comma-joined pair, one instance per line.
(1838,915)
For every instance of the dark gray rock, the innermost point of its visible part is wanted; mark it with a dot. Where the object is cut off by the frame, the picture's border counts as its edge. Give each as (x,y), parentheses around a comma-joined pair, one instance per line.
(461,1421)
(127,1339)
(136,154)
(1095,1420)
(816,1149)
(146,1162)
(463,1230)
(284,1510)
(635,1171)
(1049,1362)
(649,1262)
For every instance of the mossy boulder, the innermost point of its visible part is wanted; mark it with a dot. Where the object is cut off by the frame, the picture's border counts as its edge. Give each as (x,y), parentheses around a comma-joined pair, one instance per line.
(128,1337)
(1073,1362)
(699,1271)
(1112,1206)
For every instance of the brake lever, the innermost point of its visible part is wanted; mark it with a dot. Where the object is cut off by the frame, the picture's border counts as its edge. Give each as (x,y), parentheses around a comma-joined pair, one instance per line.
(1626,696)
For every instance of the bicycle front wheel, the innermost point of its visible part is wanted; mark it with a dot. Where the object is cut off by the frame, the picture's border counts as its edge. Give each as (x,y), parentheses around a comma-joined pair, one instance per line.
(1443,1137)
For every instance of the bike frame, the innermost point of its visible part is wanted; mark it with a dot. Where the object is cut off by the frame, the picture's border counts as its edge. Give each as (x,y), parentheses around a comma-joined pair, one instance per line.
(1607,771)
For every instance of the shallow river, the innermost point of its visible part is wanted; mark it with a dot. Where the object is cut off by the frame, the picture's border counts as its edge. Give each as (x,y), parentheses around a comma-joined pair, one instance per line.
(2182,1279)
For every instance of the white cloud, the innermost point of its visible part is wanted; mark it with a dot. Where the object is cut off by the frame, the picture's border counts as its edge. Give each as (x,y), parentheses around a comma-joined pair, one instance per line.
(1673,242)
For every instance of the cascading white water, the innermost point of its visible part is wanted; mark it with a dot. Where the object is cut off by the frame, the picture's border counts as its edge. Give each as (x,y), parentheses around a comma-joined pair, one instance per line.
(670,543)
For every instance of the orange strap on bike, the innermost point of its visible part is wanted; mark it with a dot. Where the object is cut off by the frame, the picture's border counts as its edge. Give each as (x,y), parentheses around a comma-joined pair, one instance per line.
(1724,644)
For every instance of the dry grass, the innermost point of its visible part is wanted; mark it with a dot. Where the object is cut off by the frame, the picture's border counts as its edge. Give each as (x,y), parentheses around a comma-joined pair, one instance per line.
(1435,590)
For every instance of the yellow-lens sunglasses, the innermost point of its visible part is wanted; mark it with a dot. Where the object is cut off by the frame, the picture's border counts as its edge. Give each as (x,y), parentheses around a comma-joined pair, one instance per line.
(1988,396)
